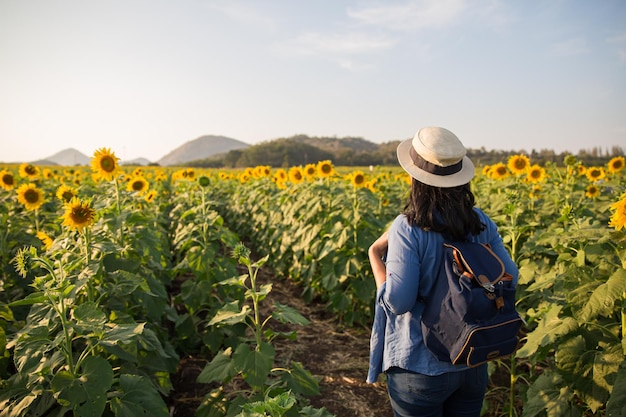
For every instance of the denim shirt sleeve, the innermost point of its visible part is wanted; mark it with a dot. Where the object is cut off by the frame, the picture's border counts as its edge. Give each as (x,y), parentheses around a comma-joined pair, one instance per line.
(403,268)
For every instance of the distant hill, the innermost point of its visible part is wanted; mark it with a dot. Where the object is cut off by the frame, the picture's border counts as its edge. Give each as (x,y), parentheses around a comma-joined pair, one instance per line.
(337,145)
(68,157)
(136,161)
(200,148)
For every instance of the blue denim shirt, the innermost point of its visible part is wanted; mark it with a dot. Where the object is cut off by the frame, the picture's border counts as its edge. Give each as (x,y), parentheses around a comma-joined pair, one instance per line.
(413,259)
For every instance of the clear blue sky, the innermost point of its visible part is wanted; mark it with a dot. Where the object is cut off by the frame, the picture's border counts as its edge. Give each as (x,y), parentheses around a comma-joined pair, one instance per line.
(142,77)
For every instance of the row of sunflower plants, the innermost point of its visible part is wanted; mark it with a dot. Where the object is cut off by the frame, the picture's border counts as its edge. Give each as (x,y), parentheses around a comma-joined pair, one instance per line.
(315,224)
(81,319)
(221,314)
(564,228)
(108,282)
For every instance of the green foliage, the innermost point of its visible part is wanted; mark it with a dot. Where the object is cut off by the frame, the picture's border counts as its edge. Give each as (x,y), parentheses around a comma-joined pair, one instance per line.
(252,358)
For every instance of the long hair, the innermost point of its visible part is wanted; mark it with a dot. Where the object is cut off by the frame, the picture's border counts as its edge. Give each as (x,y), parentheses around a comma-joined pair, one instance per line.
(445,210)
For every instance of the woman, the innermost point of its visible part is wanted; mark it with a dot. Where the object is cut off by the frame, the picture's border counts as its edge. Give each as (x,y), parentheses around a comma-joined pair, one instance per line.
(440,207)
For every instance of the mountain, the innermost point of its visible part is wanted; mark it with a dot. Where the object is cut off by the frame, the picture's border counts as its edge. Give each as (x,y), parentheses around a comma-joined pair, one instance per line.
(68,157)
(201,148)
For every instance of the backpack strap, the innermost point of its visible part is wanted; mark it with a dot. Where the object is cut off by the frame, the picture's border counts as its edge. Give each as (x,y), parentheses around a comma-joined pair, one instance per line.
(478,261)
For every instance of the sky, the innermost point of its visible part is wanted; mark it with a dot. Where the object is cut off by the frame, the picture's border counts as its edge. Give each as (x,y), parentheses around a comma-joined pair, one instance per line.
(142,77)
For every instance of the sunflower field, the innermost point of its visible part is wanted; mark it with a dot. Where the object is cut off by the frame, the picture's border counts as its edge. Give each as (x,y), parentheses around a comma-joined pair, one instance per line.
(111,274)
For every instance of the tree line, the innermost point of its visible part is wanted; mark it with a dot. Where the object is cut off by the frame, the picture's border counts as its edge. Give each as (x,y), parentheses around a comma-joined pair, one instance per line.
(302,150)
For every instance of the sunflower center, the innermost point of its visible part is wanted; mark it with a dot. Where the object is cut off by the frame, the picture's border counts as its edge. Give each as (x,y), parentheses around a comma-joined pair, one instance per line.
(8,179)
(81,215)
(359,179)
(107,163)
(67,195)
(137,186)
(32,196)
(30,170)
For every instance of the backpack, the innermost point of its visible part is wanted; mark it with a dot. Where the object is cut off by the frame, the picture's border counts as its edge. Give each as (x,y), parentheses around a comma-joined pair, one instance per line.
(469,316)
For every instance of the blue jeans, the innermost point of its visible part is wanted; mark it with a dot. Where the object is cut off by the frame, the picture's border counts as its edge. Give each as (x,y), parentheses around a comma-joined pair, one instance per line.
(453,394)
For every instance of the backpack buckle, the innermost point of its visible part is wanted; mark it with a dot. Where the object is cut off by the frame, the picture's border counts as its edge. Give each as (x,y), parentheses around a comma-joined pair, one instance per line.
(486,284)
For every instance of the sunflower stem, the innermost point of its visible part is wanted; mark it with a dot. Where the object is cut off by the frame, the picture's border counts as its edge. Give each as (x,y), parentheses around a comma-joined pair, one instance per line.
(36,212)
(119,210)
(87,239)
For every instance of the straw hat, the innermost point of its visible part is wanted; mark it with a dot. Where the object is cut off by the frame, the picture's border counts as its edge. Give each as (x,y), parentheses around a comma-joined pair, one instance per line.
(435,156)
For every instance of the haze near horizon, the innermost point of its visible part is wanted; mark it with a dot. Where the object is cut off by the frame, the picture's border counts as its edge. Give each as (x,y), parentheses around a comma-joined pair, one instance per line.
(143,77)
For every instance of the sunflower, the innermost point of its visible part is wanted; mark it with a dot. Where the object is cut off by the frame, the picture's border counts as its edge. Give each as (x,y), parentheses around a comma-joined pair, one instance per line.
(150,196)
(518,164)
(48,173)
(618,218)
(592,191)
(582,170)
(224,175)
(29,171)
(66,193)
(536,174)
(357,179)
(78,215)
(160,176)
(295,175)
(595,173)
(486,171)
(281,175)
(30,196)
(204,181)
(45,239)
(616,164)
(498,171)
(138,184)
(371,185)
(243,177)
(7,180)
(104,164)
(310,170)
(262,171)
(325,169)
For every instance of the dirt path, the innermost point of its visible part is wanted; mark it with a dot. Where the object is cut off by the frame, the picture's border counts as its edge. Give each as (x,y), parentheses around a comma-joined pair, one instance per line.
(336,355)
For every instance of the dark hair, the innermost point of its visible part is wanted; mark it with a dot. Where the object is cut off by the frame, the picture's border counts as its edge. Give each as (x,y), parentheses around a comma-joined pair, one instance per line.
(445,210)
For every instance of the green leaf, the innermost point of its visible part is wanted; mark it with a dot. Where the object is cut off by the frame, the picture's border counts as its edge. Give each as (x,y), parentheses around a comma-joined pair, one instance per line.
(616,405)
(276,406)
(309,411)
(551,394)
(89,317)
(591,370)
(230,314)
(285,314)
(300,380)
(138,398)
(220,369)
(122,333)
(548,330)
(86,393)
(120,340)
(30,299)
(256,364)
(602,300)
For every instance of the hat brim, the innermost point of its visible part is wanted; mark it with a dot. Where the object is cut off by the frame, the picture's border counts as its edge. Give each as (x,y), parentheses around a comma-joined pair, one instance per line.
(462,177)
